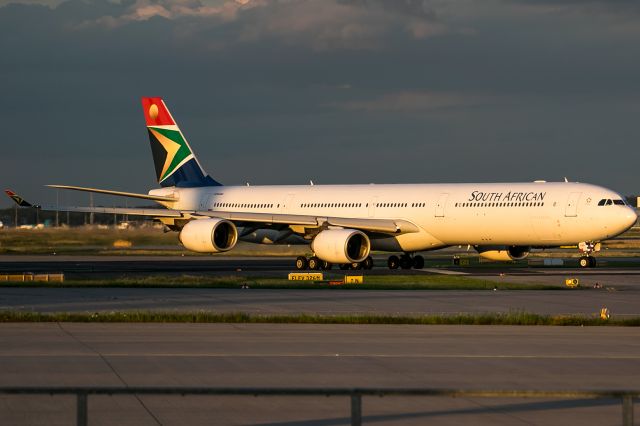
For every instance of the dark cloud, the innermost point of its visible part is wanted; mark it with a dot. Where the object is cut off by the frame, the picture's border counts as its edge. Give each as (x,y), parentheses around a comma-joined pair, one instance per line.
(337,91)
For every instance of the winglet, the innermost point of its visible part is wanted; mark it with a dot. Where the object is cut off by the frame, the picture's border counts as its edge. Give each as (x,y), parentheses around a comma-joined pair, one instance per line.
(18,199)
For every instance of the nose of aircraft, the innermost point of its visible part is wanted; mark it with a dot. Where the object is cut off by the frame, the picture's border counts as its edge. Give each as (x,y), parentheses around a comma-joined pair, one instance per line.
(628,217)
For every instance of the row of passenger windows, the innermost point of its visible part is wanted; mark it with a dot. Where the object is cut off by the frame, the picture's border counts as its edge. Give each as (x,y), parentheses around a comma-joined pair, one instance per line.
(309,205)
(306,205)
(245,205)
(400,204)
(605,202)
(536,204)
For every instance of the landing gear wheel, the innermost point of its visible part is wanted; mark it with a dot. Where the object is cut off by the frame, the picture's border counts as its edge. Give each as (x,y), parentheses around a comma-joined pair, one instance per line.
(406,262)
(301,263)
(592,262)
(418,262)
(393,262)
(355,265)
(325,265)
(585,262)
(314,263)
(367,263)
(344,266)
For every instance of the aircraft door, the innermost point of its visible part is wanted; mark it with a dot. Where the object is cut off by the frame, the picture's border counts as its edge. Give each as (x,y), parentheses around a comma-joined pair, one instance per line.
(372,206)
(287,204)
(442,202)
(571,210)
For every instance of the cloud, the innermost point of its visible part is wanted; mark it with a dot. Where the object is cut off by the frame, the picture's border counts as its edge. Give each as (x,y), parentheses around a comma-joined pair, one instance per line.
(319,24)
(143,10)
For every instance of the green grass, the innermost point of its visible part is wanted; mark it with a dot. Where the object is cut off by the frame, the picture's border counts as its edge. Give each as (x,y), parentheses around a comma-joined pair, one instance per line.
(94,241)
(372,282)
(512,318)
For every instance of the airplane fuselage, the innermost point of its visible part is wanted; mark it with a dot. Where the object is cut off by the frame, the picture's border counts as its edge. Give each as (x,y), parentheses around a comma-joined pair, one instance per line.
(536,214)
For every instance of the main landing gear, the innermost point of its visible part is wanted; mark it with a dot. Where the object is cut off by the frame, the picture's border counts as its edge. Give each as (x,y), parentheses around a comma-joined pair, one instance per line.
(406,261)
(315,264)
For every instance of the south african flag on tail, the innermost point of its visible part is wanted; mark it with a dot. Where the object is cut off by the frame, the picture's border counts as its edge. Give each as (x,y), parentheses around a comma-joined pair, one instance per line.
(18,199)
(175,163)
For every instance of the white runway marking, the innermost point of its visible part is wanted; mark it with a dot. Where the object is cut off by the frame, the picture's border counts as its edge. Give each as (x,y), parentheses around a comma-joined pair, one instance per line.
(441,271)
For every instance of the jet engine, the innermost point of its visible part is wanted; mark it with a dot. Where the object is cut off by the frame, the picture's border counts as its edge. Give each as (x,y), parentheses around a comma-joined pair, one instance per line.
(209,235)
(503,253)
(341,245)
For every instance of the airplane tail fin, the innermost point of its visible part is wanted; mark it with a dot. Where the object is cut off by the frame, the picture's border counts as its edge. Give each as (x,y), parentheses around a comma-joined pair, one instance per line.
(175,162)
(18,199)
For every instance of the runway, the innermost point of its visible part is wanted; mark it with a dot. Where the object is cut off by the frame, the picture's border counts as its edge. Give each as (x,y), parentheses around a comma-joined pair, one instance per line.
(621,294)
(263,355)
(323,302)
(91,266)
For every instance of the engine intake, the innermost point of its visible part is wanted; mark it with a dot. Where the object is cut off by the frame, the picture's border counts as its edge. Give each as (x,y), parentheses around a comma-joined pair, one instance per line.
(209,235)
(503,253)
(341,245)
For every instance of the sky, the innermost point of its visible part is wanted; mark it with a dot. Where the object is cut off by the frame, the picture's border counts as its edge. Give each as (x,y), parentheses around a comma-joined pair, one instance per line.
(334,91)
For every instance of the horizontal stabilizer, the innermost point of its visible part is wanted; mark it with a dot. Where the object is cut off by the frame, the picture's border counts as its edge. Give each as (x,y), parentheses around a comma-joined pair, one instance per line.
(118,193)
(116,210)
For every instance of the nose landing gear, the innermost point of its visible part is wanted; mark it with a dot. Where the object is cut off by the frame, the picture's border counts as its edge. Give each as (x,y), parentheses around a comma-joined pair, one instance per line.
(587,248)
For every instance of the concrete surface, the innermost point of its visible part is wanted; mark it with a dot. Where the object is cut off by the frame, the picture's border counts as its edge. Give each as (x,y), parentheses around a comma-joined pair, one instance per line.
(467,357)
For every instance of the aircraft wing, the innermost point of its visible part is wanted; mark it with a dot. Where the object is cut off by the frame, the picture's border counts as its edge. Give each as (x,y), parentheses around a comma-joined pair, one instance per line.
(386,226)
(159,212)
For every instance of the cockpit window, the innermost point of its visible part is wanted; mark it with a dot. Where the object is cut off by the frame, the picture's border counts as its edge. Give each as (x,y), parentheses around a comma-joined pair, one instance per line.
(610,202)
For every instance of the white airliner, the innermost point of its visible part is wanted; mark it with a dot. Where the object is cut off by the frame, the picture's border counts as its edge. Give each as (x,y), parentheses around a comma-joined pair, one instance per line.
(343,223)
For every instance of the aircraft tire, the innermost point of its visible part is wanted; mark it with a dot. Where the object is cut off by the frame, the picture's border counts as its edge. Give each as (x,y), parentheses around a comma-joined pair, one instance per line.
(314,263)
(584,262)
(326,266)
(393,262)
(406,262)
(367,263)
(301,263)
(418,262)
(592,262)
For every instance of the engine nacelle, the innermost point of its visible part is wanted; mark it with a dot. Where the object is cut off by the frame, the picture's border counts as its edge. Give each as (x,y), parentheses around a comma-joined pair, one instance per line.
(503,253)
(341,245)
(209,235)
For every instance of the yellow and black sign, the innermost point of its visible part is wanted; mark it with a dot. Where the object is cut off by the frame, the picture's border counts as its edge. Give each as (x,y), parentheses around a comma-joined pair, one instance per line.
(572,282)
(353,279)
(305,276)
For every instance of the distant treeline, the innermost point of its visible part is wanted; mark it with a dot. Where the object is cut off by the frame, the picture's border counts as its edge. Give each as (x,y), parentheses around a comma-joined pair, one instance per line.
(31,216)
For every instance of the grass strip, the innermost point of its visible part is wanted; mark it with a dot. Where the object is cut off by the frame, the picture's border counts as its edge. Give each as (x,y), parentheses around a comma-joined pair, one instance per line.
(372,282)
(511,318)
